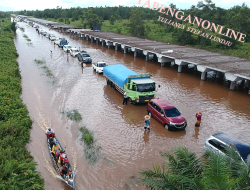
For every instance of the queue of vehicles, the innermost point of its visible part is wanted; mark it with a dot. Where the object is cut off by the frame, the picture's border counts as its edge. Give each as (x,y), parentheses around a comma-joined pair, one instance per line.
(140,88)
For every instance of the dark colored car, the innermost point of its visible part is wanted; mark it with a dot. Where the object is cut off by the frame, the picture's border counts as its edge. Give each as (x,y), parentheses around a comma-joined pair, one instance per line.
(219,141)
(166,114)
(84,57)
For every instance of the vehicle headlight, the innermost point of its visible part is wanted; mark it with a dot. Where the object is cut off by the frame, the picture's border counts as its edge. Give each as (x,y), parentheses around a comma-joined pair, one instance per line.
(171,123)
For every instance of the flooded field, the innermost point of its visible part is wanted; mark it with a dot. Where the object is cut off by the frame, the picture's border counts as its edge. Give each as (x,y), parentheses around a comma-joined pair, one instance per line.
(54,84)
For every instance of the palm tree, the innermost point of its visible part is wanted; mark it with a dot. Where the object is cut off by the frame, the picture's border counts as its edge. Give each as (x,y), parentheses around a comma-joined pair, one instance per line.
(183,170)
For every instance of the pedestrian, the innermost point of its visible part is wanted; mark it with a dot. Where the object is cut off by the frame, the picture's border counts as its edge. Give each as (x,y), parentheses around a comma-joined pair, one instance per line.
(125,98)
(198,117)
(147,122)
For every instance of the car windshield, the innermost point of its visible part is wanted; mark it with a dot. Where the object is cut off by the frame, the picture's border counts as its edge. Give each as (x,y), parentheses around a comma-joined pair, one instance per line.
(146,87)
(102,64)
(85,55)
(172,112)
(68,47)
(75,50)
(52,35)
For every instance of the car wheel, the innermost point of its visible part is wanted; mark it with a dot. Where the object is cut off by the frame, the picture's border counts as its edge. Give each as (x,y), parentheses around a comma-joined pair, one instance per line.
(131,101)
(150,114)
(107,82)
(166,126)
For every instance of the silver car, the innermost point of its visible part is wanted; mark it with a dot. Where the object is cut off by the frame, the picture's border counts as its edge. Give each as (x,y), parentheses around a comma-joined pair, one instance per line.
(219,141)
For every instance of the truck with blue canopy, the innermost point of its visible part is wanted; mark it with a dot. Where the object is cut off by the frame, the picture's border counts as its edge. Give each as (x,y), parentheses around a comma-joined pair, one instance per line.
(138,87)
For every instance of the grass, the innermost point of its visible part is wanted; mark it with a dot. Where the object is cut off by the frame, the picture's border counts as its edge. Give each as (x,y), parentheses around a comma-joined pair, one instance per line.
(87,136)
(91,150)
(73,115)
(22,29)
(47,71)
(39,61)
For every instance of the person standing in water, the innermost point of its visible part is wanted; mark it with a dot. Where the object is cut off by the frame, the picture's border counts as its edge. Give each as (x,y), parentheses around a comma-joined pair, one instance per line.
(147,122)
(198,117)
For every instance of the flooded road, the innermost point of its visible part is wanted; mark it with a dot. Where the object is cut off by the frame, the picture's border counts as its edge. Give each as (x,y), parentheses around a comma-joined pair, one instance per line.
(124,149)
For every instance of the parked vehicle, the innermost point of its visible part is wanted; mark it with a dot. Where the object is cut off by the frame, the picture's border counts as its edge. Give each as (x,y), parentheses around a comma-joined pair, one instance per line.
(40,30)
(43,33)
(57,41)
(47,35)
(166,114)
(73,52)
(98,67)
(84,58)
(139,88)
(82,51)
(66,48)
(62,43)
(218,142)
(30,23)
(52,37)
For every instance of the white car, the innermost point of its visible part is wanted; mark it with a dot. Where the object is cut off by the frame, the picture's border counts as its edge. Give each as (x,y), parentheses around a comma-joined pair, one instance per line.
(52,37)
(40,30)
(98,67)
(57,41)
(219,141)
(66,48)
(74,51)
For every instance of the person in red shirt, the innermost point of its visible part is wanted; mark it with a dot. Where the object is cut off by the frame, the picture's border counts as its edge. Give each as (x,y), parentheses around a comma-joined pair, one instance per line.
(198,117)
(50,133)
(63,159)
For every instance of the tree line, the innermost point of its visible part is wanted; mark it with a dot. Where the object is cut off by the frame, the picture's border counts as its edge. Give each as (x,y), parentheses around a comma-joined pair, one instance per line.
(236,18)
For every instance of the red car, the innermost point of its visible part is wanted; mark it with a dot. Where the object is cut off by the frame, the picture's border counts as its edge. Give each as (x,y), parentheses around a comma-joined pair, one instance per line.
(166,114)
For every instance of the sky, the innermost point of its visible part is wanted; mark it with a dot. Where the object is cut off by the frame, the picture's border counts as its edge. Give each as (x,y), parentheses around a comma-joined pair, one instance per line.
(18,5)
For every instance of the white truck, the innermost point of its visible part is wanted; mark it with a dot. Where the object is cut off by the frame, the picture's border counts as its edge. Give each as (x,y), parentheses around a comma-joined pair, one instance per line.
(98,67)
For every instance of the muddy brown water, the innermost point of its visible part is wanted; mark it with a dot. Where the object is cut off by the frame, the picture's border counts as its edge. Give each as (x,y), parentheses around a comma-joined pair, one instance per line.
(125,148)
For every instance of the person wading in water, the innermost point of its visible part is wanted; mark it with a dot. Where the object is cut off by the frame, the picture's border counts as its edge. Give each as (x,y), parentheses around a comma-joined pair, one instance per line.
(198,116)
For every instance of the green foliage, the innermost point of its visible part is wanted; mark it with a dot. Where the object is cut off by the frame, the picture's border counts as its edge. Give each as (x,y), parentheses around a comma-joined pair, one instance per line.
(18,170)
(136,23)
(184,170)
(91,150)
(39,61)
(13,26)
(60,19)
(73,115)
(119,30)
(87,136)
(91,19)
(22,29)
(236,18)
(112,20)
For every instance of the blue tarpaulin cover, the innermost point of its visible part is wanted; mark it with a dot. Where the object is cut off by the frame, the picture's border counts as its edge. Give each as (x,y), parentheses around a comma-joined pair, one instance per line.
(119,73)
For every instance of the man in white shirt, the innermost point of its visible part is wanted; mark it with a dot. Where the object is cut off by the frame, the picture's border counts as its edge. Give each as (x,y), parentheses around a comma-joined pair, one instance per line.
(50,133)
(125,98)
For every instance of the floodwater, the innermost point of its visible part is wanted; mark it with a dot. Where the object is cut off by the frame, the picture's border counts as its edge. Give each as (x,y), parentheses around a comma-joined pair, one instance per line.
(122,147)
